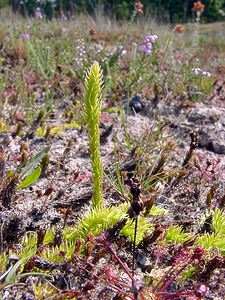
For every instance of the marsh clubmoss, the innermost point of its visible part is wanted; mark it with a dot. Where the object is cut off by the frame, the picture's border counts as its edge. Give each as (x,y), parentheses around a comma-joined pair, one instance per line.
(92,112)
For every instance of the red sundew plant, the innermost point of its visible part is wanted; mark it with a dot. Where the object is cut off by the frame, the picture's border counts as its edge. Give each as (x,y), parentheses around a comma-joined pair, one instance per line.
(207,168)
(162,290)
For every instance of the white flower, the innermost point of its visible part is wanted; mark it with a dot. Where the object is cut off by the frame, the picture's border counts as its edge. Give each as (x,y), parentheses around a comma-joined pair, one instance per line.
(206,73)
(196,71)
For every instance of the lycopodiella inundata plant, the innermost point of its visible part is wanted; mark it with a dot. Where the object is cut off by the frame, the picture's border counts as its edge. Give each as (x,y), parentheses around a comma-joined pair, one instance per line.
(92,112)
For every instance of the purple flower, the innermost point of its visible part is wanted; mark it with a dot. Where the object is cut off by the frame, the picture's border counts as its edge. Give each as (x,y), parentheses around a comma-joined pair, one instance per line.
(25,36)
(151,38)
(146,48)
(148,45)
(38,13)
(64,18)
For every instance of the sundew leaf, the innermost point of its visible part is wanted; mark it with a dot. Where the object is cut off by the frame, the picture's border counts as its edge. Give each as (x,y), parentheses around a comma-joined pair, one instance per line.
(34,161)
(30,179)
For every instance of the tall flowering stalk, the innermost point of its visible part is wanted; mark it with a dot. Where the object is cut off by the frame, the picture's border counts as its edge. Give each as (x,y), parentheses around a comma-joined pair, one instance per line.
(198,9)
(81,56)
(138,9)
(92,112)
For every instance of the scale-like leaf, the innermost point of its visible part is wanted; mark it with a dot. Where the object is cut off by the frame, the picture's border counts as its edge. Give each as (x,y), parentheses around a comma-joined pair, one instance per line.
(30,179)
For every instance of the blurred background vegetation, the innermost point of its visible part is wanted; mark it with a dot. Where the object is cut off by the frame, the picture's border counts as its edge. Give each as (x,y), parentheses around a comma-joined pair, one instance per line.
(163,11)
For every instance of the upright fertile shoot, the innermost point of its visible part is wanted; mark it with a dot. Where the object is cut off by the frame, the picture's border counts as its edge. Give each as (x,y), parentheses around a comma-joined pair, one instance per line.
(92,112)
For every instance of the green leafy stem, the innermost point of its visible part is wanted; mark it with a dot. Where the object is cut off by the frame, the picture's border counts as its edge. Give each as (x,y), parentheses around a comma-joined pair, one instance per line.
(92,112)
